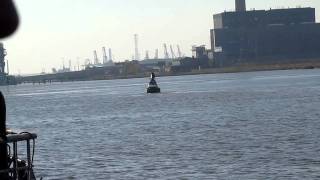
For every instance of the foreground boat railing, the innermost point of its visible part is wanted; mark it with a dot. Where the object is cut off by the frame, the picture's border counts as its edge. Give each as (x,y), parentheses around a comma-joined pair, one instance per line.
(19,169)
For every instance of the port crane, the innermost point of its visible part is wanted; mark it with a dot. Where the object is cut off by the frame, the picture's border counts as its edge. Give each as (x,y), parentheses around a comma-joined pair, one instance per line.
(166,54)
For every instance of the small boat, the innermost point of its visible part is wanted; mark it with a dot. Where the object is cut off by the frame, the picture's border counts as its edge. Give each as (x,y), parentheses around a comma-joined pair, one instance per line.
(153,86)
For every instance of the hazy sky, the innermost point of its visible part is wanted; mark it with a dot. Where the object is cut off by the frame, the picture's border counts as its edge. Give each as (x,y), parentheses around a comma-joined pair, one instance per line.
(53,30)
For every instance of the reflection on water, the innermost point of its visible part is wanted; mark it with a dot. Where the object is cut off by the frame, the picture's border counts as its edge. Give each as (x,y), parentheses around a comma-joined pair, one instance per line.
(261,125)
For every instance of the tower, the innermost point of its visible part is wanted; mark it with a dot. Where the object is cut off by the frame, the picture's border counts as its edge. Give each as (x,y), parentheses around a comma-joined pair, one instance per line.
(105,57)
(136,53)
(156,54)
(95,57)
(240,5)
(110,55)
(2,59)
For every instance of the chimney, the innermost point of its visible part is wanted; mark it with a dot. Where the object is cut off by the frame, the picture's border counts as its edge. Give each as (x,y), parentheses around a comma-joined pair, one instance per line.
(240,5)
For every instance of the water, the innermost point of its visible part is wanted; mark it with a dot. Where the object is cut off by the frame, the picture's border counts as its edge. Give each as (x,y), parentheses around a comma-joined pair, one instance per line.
(259,125)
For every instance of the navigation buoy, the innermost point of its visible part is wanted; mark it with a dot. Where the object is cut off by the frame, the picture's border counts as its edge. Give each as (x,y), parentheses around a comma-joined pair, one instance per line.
(153,86)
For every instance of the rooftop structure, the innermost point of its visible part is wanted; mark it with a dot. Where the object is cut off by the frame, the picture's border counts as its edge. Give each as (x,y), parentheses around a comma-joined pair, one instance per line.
(240,5)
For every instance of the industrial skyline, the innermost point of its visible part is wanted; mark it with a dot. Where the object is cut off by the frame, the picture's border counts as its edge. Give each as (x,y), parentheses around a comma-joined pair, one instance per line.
(42,40)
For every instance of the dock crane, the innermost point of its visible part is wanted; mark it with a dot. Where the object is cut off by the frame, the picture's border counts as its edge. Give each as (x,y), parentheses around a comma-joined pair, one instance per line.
(166,54)
(172,52)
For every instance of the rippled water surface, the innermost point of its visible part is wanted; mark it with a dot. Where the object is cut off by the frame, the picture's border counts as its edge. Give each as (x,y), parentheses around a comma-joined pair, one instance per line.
(260,125)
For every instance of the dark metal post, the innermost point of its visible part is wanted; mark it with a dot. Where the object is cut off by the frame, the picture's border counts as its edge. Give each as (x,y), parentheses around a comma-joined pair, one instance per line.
(29,160)
(15,160)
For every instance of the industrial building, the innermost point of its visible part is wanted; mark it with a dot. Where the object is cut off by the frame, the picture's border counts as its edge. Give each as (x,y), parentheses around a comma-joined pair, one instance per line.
(5,79)
(3,54)
(264,36)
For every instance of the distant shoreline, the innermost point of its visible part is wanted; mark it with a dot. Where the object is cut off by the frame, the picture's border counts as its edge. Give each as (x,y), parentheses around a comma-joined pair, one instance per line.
(255,68)
(238,69)
(234,69)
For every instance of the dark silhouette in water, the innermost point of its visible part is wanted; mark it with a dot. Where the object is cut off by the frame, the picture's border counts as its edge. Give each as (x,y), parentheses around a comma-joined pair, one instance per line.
(3,136)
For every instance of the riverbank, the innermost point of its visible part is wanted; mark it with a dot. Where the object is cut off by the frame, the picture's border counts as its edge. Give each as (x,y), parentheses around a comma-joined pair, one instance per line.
(254,67)
(85,76)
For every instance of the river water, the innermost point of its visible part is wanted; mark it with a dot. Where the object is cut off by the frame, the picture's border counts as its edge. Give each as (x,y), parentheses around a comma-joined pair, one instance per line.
(257,125)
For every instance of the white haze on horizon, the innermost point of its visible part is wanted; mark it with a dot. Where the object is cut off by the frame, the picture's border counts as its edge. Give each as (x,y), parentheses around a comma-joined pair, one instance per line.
(51,31)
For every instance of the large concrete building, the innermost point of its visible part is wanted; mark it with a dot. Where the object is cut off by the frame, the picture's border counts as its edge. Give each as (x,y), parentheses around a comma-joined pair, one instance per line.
(265,35)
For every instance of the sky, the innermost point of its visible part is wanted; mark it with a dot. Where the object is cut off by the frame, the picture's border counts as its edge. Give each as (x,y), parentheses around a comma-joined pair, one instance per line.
(56,31)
